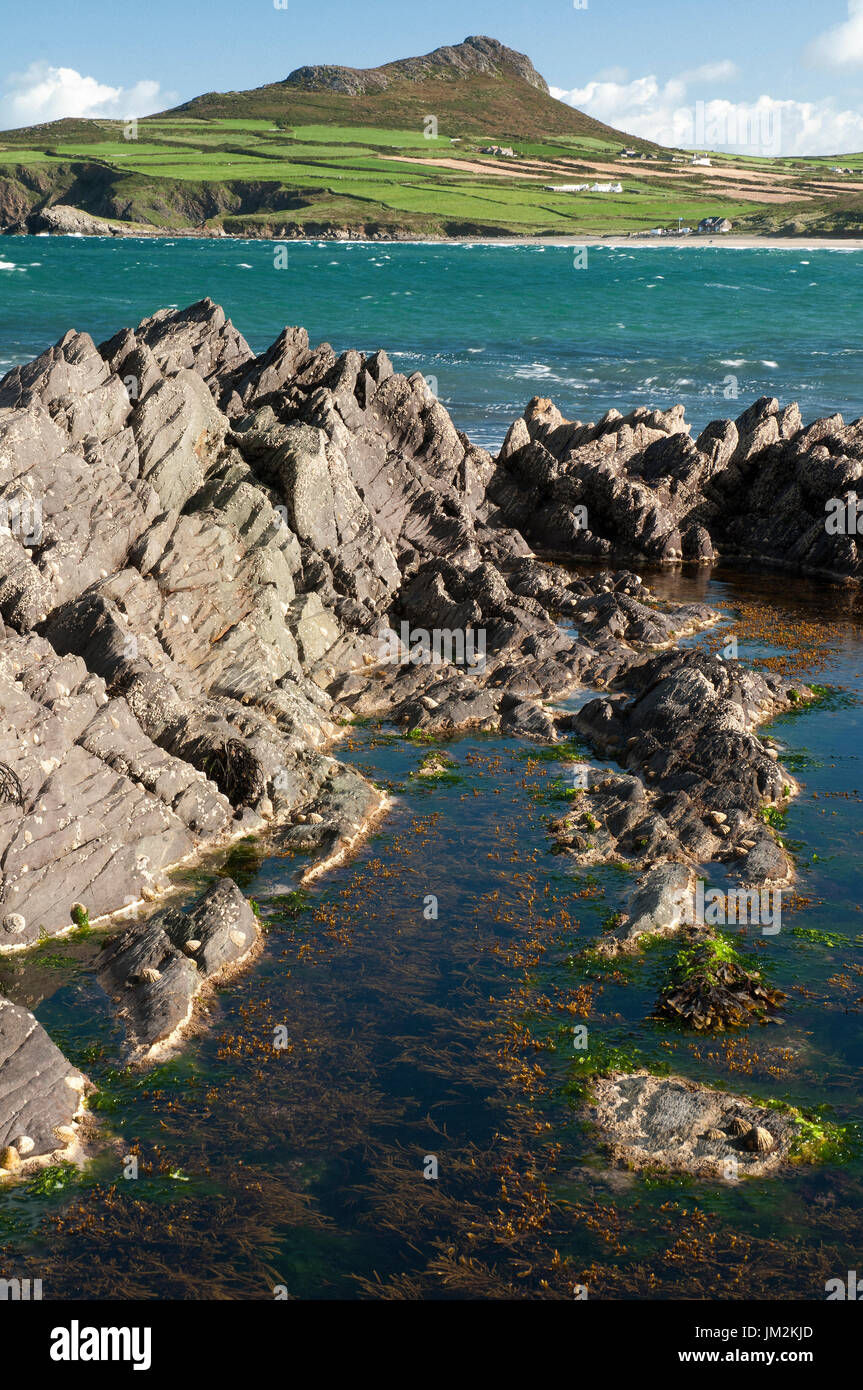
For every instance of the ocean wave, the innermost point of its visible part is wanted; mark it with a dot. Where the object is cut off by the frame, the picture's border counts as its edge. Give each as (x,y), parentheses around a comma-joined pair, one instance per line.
(533,369)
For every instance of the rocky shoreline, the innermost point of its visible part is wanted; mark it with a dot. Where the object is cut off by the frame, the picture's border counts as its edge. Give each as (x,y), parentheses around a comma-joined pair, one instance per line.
(212,561)
(62,219)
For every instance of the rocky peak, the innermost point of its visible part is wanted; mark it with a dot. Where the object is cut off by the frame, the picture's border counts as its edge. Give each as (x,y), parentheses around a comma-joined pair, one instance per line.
(476,56)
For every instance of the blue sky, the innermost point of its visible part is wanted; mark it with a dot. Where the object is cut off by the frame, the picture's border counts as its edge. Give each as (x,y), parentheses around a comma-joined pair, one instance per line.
(640,66)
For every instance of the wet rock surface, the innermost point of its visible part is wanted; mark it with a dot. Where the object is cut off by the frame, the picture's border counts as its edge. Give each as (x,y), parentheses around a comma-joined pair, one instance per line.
(670,1123)
(41,1095)
(654,907)
(698,775)
(156,969)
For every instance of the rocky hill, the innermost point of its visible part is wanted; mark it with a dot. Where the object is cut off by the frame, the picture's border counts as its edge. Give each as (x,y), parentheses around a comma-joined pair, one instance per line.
(477,55)
(478,86)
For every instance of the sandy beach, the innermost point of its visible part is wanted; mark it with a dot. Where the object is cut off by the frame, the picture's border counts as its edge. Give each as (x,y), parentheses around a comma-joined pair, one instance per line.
(733,243)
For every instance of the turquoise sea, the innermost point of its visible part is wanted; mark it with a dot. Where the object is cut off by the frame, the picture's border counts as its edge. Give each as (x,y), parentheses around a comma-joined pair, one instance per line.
(304,1173)
(494,325)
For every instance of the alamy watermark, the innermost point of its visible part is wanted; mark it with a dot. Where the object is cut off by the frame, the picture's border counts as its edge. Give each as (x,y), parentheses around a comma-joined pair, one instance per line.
(720,907)
(718,125)
(437,646)
(844,515)
(21,517)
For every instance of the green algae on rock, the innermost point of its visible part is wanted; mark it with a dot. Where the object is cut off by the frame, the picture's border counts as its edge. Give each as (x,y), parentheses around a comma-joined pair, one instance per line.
(711,989)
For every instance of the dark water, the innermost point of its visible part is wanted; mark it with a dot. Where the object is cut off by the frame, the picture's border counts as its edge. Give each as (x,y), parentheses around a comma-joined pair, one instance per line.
(412,1037)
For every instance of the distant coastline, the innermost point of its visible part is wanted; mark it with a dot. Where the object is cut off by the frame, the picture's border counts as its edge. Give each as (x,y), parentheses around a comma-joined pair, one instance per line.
(609,240)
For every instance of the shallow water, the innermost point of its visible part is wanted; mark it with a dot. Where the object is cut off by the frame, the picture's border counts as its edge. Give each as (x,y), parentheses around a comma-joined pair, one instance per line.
(412,1037)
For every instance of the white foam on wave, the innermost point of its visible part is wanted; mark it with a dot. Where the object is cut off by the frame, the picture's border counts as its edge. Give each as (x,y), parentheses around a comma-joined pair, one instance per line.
(533,369)
(8,265)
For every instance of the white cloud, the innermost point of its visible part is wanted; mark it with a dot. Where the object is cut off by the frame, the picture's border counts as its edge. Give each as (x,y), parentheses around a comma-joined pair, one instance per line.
(46,93)
(675,113)
(723,71)
(841,46)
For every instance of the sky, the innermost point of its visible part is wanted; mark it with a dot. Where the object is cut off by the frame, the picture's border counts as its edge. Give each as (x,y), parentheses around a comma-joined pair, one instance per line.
(759,76)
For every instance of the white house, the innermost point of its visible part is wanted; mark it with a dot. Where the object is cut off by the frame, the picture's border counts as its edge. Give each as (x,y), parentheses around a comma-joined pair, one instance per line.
(584,188)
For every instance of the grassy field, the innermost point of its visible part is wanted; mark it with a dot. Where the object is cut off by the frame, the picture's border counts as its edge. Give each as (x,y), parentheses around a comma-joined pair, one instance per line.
(265,176)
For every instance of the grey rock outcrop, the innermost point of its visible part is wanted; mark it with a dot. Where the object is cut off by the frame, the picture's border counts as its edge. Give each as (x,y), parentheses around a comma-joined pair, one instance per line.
(698,775)
(755,488)
(671,1123)
(209,560)
(41,1095)
(655,907)
(214,558)
(157,968)
(477,55)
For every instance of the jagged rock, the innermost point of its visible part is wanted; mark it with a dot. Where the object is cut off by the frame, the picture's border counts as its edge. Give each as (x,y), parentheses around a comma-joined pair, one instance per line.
(755,488)
(210,548)
(687,737)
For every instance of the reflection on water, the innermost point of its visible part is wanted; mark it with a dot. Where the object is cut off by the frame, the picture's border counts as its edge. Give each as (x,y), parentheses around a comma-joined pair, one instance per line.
(429,991)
